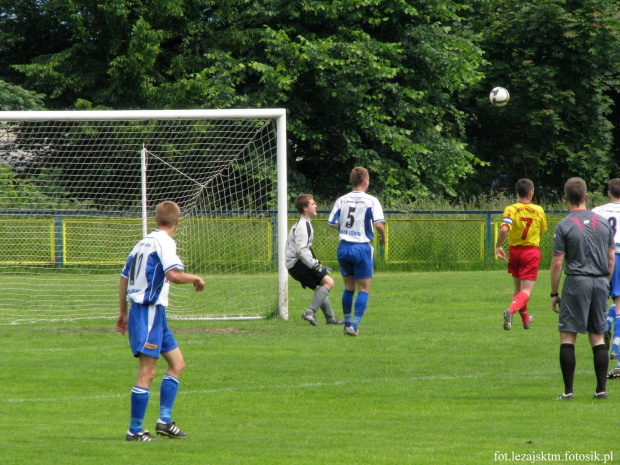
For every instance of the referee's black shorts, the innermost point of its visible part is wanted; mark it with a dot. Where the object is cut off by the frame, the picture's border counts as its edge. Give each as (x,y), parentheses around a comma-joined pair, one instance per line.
(583,308)
(308,277)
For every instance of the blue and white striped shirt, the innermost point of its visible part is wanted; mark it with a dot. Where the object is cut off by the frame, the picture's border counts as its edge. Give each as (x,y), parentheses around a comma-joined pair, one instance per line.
(146,269)
(355,214)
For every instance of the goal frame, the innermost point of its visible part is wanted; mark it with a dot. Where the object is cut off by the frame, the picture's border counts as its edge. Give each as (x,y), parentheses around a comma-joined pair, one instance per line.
(277,114)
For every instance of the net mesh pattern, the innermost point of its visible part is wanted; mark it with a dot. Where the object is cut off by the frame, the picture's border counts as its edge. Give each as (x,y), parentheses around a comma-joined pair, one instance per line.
(71,195)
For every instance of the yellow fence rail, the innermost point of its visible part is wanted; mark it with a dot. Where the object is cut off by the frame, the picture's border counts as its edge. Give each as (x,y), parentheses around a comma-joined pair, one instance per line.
(421,238)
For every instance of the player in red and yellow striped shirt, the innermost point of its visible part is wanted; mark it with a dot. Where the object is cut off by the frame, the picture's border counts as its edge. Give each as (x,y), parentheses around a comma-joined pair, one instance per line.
(523,224)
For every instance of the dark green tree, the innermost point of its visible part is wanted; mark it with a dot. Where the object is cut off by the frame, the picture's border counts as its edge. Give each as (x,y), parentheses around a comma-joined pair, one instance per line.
(560,62)
(368,82)
(16,98)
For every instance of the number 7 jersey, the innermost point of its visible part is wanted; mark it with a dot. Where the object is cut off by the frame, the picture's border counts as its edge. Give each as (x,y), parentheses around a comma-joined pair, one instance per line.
(527,222)
(355,214)
(146,269)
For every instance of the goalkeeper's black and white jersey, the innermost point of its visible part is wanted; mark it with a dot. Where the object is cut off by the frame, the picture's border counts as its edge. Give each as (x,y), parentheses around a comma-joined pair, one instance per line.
(299,244)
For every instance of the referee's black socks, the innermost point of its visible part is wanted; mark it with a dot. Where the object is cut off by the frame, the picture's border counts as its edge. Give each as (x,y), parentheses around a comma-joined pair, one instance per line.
(568,364)
(601,364)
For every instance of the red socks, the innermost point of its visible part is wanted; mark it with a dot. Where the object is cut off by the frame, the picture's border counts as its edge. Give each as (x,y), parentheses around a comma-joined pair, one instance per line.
(519,302)
(524,315)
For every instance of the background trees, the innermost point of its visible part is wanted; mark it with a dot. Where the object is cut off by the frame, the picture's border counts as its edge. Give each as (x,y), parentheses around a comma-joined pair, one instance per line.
(560,61)
(398,86)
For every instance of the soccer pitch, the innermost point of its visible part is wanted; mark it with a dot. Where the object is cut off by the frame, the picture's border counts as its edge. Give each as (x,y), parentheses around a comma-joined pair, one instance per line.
(432,379)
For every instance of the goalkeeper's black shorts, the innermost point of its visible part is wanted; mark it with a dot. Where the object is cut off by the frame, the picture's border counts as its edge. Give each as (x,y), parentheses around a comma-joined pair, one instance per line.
(308,277)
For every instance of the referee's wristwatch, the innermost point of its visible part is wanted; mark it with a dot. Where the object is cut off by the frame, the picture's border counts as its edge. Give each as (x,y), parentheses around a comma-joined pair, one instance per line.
(554,294)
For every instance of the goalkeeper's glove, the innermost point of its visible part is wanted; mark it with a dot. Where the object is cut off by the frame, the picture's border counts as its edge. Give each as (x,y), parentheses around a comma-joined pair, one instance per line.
(323,270)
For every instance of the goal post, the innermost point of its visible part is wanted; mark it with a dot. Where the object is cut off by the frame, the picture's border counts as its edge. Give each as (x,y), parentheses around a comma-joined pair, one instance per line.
(79,188)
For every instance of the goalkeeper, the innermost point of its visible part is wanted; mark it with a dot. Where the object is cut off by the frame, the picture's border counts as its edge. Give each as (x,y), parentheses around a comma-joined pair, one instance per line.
(303,265)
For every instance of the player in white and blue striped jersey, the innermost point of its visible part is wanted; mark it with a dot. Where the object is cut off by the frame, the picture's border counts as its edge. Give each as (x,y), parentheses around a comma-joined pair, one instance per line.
(611,212)
(145,281)
(354,216)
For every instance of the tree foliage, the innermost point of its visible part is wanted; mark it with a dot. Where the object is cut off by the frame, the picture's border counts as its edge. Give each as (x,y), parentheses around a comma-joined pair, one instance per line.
(398,86)
(16,98)
(366,82)
(560,60)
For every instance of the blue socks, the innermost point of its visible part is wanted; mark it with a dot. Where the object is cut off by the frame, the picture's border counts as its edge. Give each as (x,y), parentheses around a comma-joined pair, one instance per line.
(347,305)
(168,393)
(361,302)
(360,307)
(616,339)
(139,402)
(611,316)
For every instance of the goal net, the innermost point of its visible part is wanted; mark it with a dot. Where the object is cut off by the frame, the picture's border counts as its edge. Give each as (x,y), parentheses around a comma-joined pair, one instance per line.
(79,189)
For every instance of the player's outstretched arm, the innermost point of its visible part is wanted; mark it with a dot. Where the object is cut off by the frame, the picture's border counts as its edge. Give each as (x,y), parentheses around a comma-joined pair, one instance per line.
(181,277)
(501,236)
(556,276)
(501,253)
(381,228)
(121,321)
(611,259)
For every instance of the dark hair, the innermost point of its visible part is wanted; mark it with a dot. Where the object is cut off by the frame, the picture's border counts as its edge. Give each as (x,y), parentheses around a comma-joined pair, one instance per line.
(614,188)
(575,191)
(358,174)
(523,187)
(167,213)
(302,201)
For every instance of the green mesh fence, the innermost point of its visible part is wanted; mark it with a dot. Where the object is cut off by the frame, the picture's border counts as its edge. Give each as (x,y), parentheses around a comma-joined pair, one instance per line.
(430,240)
(414,241)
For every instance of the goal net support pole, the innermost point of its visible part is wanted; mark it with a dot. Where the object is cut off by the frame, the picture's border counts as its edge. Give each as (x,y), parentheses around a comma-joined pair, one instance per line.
(145,213)
(282,219)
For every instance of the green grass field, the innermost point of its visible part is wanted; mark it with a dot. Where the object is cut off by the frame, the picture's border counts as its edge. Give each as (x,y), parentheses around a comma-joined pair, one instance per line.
(432,379)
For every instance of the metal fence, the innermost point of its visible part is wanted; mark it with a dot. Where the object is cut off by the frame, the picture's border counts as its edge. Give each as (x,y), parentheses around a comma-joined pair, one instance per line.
(415,239)
(419,239)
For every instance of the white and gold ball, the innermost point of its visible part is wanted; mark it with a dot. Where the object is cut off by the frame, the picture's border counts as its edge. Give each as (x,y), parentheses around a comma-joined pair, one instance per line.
(499,96)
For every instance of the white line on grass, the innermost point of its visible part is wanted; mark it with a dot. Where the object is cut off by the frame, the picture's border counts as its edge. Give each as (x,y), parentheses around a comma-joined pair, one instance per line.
(247,389)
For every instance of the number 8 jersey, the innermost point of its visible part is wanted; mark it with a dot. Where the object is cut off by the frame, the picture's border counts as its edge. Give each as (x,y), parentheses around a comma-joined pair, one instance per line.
(356,213)
(146,269)
(611,212)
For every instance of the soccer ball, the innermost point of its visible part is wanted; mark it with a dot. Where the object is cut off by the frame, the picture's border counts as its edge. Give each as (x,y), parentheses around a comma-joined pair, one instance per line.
(499,96)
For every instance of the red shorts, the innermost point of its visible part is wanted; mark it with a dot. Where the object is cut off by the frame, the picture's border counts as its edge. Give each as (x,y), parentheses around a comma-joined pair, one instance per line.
(523,262)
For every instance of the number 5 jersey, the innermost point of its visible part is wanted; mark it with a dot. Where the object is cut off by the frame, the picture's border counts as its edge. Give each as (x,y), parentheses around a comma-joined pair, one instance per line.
(356,213)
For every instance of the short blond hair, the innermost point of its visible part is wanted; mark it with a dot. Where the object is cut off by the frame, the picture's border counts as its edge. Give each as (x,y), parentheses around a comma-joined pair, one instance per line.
(167,213)
(358,174)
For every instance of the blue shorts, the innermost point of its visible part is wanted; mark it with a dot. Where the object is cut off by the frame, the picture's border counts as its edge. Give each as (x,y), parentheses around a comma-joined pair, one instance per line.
(357,259)
(614,290)
(148,330)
